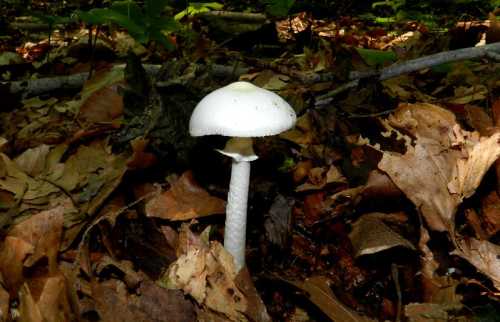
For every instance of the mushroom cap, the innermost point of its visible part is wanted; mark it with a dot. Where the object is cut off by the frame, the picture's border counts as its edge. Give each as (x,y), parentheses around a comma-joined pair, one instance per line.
(241,109)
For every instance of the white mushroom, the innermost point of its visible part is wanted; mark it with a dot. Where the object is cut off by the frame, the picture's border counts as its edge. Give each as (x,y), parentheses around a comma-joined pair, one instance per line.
(240,110)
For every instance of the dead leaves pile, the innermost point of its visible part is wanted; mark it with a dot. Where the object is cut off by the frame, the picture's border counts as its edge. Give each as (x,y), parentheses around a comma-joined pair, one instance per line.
(444,165)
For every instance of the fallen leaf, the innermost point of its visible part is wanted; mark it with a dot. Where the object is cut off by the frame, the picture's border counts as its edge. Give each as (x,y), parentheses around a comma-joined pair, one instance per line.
(152,304)
(478,119)
(208,274)
(318,291)
(314,208)
(102,105)
(302,134)
(435,288)
(469,170)
(278,221)
(466,95)
(32,161)
(4,305)
(184,200)
(28,310)
(490,206)
(140,159)
(12,255)
(371,235)
(427,312)
(484,255)
(43,232)
(53,301)
(319,177)
(444,165)
(301,170)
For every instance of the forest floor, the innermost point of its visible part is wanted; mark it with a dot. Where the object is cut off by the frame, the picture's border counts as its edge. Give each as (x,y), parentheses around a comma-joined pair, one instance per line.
(381,204)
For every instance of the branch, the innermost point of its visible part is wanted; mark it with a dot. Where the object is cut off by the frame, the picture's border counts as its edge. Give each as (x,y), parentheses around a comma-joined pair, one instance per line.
(39,86)
(413,65)
(233,15)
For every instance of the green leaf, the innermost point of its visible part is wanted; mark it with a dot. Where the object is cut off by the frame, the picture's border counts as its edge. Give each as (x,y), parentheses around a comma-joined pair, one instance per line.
(163,23)
(374,57)
(160,38)
(278,8)
(129,9)
(154,8)
(198,7)
(93,17)
(138,31)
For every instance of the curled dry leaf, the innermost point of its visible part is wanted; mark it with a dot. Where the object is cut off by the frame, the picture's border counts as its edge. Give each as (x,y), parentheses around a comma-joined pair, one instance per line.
(184,200)
(443,163)
(319,177)
(469,171)
(484,255)
(371,235)
(435,288)
(208,274)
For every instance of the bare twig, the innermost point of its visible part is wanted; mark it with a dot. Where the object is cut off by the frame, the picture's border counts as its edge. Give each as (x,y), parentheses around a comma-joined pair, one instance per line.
(437,59)
(237,16)
(490,51)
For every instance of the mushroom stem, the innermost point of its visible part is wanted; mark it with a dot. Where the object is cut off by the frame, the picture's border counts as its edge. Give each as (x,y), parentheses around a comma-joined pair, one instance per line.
(236,212)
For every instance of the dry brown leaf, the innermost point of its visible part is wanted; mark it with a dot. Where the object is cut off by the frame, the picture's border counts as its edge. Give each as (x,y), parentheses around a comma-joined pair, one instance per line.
(151,304)
(478,119)
(475,223)
(28,310)
(443,165)
(140,159)
(32,161)
(379,185)
(43,231)
(484,255)
(302,134)
(301,170)
(427,312)
(469,171)
(103,105)
(4,305)
(208,274)
(184,200)
(53,302)
(319,292)
(435,288)
(314,207)
(371,235)
(491,213)
(12,255)
(466,95)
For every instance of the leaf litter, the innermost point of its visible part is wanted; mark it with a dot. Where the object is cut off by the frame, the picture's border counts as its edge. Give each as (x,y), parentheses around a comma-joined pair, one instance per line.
(372,207)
